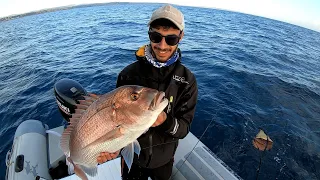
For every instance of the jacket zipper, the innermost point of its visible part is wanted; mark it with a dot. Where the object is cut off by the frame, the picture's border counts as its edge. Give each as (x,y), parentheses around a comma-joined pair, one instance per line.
(169,105)
(150,150)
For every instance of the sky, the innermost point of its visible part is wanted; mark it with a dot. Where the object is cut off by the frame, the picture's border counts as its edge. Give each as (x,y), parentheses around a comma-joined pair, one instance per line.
(305,13)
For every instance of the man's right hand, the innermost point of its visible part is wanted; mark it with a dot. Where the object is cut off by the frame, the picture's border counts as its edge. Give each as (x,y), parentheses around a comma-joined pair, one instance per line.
(105,156)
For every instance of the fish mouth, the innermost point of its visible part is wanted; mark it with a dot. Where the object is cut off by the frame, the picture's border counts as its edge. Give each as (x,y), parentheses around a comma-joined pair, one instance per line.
(157,100)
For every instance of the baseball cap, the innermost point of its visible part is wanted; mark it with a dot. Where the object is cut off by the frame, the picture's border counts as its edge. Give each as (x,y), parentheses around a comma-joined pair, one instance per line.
(168,12)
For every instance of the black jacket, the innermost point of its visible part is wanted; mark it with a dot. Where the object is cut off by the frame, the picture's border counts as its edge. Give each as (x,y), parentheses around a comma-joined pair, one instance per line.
(159,144)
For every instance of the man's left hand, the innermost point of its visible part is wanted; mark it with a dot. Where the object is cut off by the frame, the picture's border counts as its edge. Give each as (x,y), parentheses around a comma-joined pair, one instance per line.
(104,156)
(161,118)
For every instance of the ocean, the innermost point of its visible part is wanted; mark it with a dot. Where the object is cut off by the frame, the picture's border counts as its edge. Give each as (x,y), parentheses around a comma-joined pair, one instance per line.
(252,73)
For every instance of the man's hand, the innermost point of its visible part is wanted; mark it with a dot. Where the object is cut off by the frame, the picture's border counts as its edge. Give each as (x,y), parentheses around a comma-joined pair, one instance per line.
(161,118)
(105,156)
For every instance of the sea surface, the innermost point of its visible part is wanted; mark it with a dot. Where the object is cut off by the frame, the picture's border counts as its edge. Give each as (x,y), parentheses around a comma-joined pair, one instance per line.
(252,73)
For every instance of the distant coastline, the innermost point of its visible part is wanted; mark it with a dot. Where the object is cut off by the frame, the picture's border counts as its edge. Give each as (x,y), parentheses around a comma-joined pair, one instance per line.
(15,16)
(7,18)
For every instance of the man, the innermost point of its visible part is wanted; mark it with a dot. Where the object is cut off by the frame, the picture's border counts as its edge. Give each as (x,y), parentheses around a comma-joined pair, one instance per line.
(158,66)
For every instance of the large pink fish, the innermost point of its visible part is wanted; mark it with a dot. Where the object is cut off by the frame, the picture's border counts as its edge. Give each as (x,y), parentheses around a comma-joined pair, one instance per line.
(108,123)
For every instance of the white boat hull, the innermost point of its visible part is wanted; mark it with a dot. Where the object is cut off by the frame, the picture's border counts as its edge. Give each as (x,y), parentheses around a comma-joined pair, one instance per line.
(29,157)
(193,160)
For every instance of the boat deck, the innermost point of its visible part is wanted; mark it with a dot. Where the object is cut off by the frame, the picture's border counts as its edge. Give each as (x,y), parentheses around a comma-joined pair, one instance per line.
(193,160)
(106,171)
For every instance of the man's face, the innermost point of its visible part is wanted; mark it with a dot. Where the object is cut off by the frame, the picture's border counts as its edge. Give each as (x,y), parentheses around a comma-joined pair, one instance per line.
(162,50)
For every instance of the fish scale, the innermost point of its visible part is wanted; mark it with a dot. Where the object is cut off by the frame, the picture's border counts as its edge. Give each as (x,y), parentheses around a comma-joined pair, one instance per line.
(121,141)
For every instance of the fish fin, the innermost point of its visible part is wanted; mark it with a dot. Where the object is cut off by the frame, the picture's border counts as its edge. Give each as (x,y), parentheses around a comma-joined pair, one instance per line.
(128,154)
(136,147)
(82,106)
(79,111)
(91,171)
(74,120)
(95,96)
(76,115)
(78,170)
(70,167)
(91,98)
(115,133)
(64,140)
(84,102)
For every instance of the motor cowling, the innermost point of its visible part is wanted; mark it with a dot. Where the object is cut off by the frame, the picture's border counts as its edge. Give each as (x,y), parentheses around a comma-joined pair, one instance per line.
(67,93)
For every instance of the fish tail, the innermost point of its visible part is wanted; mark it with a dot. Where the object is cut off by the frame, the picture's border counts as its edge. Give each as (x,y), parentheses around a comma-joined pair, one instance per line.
(77,170)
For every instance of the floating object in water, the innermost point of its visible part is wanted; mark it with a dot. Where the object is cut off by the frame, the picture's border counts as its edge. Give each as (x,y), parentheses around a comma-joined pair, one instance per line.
(262,141)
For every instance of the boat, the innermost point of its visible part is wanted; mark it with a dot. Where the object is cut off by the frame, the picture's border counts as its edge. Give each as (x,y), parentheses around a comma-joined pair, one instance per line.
(35,152)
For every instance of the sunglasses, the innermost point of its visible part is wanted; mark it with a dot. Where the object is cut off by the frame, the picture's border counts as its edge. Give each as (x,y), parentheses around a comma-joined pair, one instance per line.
(171,39)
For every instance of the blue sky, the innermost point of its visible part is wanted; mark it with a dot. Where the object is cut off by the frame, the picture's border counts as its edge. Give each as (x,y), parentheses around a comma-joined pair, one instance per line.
(305,13)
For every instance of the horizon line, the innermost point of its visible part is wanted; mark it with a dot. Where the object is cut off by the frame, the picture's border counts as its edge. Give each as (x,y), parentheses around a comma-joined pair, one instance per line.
(71,6)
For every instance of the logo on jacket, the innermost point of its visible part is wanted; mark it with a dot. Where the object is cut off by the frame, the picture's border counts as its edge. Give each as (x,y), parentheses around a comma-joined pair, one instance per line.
(180,79)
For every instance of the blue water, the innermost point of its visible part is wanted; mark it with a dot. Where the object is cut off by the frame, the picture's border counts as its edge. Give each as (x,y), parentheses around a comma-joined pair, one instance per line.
(252,73)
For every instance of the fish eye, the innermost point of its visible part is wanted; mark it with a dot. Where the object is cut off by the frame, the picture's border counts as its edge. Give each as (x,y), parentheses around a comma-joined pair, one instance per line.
(134,96)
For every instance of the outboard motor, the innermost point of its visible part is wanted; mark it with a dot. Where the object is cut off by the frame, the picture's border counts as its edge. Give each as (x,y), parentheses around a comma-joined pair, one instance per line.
(67,93)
